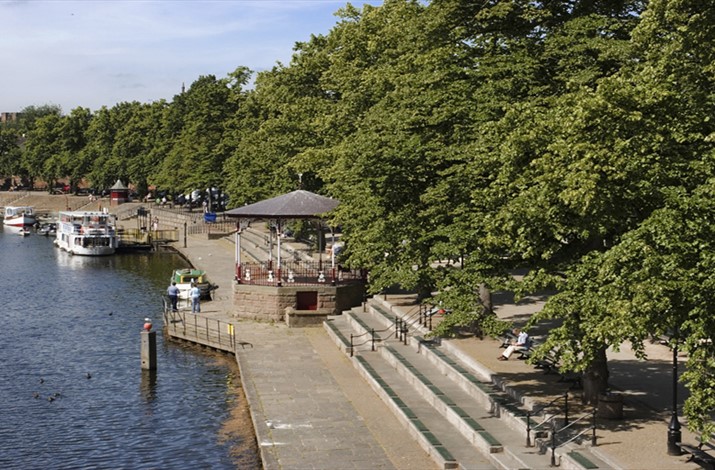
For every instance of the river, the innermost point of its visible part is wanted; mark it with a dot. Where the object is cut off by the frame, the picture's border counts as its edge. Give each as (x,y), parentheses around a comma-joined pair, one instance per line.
(72,391)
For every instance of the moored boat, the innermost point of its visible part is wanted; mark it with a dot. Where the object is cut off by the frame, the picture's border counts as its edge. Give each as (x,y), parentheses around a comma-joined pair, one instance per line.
(86,233)
(48,229)
(185,277)
(19,216)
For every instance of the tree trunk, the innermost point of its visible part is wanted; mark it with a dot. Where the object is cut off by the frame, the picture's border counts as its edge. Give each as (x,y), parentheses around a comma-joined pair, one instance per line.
(595,378)
(485,298)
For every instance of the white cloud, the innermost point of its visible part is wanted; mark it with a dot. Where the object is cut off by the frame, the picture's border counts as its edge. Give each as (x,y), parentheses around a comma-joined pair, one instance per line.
(93,53)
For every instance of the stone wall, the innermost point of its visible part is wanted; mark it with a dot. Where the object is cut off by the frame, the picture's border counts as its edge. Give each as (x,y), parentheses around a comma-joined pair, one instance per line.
(275,304)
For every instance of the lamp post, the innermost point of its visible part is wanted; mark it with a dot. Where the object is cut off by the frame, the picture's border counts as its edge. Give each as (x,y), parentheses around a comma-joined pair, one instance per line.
(674,435)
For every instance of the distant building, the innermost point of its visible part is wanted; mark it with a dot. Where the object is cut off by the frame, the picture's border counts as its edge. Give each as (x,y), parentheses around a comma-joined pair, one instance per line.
(119,194)
(9,117)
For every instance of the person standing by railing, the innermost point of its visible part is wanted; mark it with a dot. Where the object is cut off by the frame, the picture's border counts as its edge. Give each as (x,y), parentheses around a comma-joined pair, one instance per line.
(195,295)
(173,293)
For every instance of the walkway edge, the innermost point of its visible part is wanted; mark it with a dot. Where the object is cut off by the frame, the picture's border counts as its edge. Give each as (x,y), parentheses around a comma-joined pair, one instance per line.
(263,434)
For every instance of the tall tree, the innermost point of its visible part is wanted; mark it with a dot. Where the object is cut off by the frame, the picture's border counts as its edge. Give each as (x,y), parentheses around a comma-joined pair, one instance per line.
(639,148)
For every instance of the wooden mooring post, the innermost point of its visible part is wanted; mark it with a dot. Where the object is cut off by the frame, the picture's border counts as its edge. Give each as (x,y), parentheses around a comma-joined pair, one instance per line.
(148,346)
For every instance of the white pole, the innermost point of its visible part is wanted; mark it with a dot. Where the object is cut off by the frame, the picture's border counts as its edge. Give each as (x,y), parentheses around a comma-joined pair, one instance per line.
(238,246)
(332,248)
(278,234)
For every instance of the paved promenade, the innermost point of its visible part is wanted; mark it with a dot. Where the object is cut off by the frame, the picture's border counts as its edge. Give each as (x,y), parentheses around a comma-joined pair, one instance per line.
(311,409)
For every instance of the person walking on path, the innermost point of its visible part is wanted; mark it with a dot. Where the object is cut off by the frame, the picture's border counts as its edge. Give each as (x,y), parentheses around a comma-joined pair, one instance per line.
(521,344)
(173,293)
(195,295)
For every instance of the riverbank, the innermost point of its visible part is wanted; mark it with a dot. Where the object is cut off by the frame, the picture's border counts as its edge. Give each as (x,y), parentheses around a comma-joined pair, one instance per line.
(311,409)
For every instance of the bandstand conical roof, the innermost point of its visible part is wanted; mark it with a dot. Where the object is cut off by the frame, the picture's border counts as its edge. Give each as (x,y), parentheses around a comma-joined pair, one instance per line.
(299,204)
(119,185)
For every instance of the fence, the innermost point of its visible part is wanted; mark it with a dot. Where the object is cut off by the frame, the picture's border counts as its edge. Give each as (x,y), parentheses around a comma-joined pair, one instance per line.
(297,272)
(206,331)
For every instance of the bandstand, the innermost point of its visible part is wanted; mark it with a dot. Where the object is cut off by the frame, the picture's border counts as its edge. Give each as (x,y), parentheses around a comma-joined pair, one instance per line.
(299,291)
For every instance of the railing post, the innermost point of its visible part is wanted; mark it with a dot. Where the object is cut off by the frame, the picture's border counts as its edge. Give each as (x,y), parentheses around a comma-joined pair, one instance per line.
(351,345)
(372,334)
(207,330)
(593,437)
(405,329)
(398,333)
(528,429)
(218,329)
(566,408)
(553,442)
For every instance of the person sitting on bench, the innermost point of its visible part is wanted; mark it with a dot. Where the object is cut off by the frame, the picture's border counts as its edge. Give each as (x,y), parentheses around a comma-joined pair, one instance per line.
(521,343)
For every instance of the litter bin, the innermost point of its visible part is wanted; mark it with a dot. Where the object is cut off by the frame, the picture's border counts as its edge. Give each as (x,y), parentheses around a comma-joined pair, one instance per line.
(610,406)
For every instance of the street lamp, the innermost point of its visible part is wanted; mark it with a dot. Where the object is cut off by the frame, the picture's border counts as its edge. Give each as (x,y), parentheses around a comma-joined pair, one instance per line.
(674,435)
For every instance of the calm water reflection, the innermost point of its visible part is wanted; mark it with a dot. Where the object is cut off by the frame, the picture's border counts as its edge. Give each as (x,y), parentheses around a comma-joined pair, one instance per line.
(72,393)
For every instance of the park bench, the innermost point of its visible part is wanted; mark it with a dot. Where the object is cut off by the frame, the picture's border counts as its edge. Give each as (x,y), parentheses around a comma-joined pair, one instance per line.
(550,363)
(508,338)
(698,455)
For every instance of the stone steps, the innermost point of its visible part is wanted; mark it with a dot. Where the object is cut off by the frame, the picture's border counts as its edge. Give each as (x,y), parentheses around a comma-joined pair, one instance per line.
(443,397)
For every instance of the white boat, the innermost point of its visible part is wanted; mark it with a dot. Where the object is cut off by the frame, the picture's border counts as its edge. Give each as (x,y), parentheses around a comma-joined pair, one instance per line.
(87,233)
(18,216)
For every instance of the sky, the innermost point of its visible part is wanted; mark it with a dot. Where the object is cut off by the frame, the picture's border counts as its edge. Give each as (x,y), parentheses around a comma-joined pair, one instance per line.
(94,53)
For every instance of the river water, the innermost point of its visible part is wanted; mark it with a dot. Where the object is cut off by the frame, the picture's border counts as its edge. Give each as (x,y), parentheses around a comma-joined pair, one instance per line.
(72,391)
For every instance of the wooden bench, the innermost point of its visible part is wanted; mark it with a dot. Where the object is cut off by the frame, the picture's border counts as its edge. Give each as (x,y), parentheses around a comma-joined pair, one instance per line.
(698,455)
(508,338)
(550,363)
(524,352)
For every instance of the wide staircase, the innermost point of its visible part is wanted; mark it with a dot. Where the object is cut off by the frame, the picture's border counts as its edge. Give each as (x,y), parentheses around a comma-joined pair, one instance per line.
(451,404)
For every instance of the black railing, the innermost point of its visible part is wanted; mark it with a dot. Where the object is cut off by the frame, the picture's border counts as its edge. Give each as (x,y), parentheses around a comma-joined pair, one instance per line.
(370,340)
(199,329)
(567,427)
(552,403)
(428,311)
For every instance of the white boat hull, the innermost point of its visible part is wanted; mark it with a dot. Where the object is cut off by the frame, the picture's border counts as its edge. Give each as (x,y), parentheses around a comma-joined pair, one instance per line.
(19,216)
(74,246)
(86,234)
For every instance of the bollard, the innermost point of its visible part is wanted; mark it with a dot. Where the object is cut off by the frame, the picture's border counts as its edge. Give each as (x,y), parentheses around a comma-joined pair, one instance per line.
(148,346)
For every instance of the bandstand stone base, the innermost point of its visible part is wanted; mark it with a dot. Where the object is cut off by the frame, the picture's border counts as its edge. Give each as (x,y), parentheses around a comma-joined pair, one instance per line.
(297,306)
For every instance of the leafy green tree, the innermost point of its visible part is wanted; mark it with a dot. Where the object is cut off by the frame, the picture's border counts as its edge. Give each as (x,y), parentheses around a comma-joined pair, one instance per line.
(657,280)
(30,114)
(100,141)
(196,159)
(274,124)
(10,152)
(73,138)
(623,164)
(43,145)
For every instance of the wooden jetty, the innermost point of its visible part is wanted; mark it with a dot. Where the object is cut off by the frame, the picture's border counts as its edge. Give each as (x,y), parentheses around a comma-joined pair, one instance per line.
(200,329)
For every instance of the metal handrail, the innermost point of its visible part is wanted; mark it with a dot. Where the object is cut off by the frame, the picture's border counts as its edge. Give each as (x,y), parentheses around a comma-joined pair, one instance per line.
(371,340)
(555,432)
(538,410)
(203,330)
